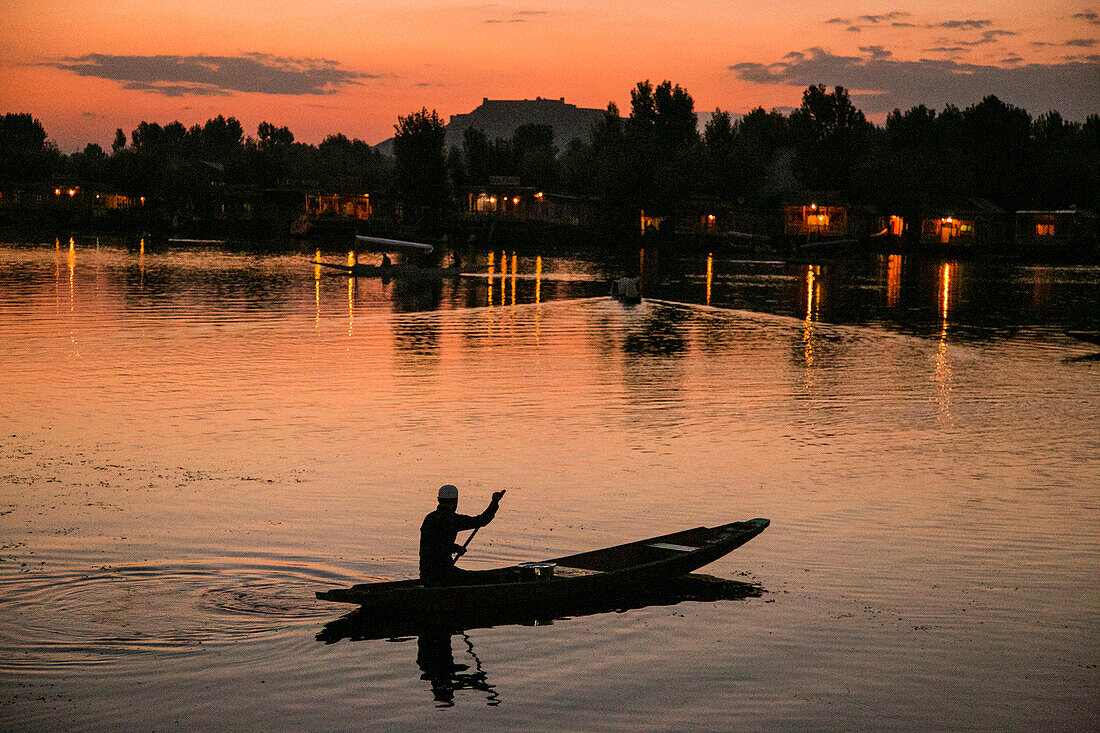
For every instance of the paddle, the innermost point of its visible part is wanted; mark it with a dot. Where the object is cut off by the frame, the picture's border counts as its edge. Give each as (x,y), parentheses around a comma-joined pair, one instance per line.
(468,539)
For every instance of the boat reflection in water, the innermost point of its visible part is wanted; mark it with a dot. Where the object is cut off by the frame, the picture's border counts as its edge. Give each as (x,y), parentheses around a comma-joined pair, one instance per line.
(435,655)
(436,660)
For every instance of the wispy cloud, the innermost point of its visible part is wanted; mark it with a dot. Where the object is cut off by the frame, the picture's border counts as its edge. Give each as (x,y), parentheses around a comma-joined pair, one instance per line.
(1089,16)
(519,16)
(875,19)
(201,75)
(883,83)
(863,21)
(972,25)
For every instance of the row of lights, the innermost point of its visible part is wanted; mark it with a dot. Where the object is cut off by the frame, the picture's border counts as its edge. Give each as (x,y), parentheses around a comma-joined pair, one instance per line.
(515,199)
(72,192)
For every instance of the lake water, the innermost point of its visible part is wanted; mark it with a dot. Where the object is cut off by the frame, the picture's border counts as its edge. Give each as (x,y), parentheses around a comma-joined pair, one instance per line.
(193,442)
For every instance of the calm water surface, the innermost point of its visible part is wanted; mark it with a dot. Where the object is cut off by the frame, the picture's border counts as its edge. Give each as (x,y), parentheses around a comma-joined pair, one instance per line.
(194,442)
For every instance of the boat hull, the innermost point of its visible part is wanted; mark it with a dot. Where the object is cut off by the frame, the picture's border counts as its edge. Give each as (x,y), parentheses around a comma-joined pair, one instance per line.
(634,567)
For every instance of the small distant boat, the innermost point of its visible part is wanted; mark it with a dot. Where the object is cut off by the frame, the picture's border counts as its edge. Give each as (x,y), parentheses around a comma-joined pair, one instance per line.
(626,290)
(641,565)
(397,272)
(395,244)
(183,240)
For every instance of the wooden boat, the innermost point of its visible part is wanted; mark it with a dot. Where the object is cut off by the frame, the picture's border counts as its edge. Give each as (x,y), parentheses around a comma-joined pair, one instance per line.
(404,272)
(363,624)
(383,244)
(630,567)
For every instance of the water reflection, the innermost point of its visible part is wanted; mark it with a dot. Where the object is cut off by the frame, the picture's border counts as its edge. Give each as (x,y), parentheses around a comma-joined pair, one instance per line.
(813,305)
(943,367)
(435,657)
(710,275)
(435,634)
(893,280)
(363,625)
(538,280)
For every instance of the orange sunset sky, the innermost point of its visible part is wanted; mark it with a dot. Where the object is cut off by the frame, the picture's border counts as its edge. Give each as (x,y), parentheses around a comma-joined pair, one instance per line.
(85,68)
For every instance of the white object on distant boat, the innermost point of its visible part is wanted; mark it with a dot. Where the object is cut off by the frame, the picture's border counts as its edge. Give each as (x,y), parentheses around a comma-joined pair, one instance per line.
(393,243)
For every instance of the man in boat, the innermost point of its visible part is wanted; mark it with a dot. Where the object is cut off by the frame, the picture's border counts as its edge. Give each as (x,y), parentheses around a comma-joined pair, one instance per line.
(438,550)
(626,289)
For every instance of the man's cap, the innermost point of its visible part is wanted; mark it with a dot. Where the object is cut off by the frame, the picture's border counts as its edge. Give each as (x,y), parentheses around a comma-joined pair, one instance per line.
(448,491)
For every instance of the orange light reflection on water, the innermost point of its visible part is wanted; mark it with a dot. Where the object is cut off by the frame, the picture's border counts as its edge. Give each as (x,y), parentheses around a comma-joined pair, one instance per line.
(351,304)
(710,274)
(492,269)
(513,278)
(813,297)
(538,280)
(893,280)
(943,366)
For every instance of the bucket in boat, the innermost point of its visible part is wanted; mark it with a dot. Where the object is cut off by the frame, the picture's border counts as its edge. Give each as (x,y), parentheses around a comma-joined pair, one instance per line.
(536,570)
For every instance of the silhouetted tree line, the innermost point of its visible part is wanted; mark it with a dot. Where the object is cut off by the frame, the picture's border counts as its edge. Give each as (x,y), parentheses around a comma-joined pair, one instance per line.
(179,164)
(652,159)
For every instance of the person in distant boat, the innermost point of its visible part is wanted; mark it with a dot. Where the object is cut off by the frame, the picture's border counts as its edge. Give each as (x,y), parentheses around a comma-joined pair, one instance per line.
(438,551)
(386,264)
(626,289)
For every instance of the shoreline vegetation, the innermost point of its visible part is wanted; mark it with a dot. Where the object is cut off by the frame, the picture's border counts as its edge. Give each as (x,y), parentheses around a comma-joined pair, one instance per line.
(821,180)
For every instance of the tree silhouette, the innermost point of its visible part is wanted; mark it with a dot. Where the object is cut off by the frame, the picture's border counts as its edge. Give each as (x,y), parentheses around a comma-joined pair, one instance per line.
(25,153)
(421,167)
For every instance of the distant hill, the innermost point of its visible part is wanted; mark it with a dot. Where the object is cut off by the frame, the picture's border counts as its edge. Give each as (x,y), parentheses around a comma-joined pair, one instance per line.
(499,118)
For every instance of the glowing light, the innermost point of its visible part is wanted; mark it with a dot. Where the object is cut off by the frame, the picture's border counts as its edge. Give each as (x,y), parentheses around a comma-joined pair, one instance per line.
(351,259)
(539,195)
(143,201)
(515,200)
(57,191)
(813,207)
(72,192)
(492,199)
(710,218)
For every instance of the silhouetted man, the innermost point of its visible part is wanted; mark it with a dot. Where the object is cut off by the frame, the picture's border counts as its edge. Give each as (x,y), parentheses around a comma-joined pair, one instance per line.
(438,550)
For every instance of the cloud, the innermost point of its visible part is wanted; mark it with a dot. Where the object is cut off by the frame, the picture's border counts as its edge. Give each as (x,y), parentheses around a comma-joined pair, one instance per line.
(857,25)
(987,37)
(519,16)
(201,75)
(876,52)
(884,83)
(1088,16)
(971,25)
(1072,43)
(903,25)
(875,19)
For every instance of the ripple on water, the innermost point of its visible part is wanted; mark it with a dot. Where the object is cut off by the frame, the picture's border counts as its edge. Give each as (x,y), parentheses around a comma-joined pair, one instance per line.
(73,618)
